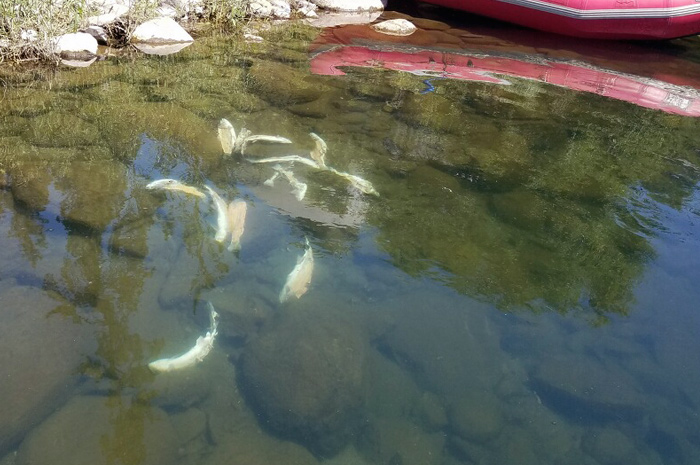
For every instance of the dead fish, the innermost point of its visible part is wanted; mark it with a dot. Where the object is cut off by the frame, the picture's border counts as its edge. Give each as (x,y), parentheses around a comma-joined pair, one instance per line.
(222,221)
(286,159)
(227,136)
(236,222)
(298,187)
(271,182)
(263,138)
(318,154)
(240,140)
(175,185)
(363,185)
(196,354)
(299,279)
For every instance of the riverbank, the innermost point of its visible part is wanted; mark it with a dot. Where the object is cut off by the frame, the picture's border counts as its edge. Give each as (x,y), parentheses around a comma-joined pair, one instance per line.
(45,30)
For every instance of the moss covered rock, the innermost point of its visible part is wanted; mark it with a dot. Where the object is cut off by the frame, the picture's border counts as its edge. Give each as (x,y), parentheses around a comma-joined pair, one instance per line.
(305,374)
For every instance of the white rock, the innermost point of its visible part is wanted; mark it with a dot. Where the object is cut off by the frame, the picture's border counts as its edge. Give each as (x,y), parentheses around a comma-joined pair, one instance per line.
(30,35)
(304,7)
(281,9)
(395,27)
(77,42)
(260,8)
(113,13)
(252,38)
(161,30)
(183,5)
(351,5)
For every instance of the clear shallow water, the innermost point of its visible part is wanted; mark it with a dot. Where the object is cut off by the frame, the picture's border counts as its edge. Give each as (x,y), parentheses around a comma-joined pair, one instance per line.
(522,290)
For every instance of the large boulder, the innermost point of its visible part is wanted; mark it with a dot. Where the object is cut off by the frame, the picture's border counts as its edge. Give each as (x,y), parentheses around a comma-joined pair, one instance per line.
(305,375)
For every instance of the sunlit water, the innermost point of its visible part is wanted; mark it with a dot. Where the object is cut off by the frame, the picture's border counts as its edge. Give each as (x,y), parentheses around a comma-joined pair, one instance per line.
(522,291)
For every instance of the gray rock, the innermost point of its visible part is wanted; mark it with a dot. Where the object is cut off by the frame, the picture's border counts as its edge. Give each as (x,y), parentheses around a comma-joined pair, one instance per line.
(99,430)
(280,84)
(189,424)
(448,355)
(161,30)
(98,33)
(586,388)
(609,446)
(95,193)
(398,441)
(306,376)
(430,412)
(39,356)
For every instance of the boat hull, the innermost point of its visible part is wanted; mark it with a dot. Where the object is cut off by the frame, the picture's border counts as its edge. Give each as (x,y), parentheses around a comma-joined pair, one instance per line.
(598,19)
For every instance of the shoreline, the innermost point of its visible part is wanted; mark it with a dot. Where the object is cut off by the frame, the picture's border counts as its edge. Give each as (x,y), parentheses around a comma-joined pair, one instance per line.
(79,32)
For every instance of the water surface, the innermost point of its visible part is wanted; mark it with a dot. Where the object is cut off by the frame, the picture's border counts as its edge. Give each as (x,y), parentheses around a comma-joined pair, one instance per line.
(523,289)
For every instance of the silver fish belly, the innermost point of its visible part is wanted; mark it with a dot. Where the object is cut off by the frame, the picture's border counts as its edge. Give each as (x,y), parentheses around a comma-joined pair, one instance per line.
(286,159)
(299,279)
(196,354)
(359,183)
(174,185)
(222,221)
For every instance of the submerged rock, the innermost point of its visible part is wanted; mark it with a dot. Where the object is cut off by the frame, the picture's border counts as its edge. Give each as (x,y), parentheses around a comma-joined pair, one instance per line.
(94,430)
(586,389)
(305,374)
(282,85)
(39,355)
(476,417)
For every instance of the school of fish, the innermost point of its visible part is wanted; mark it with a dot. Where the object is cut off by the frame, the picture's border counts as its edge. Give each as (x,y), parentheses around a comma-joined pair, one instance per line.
(231,218)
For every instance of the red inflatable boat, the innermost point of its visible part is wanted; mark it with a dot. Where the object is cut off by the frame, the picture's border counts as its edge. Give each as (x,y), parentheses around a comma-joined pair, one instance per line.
(619,71)
(600,19)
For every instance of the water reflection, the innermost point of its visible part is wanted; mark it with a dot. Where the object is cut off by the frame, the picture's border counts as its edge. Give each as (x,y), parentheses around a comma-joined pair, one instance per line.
(528,197)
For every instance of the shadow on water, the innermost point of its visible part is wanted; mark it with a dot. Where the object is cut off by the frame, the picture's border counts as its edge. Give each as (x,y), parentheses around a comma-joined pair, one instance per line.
(528,197)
